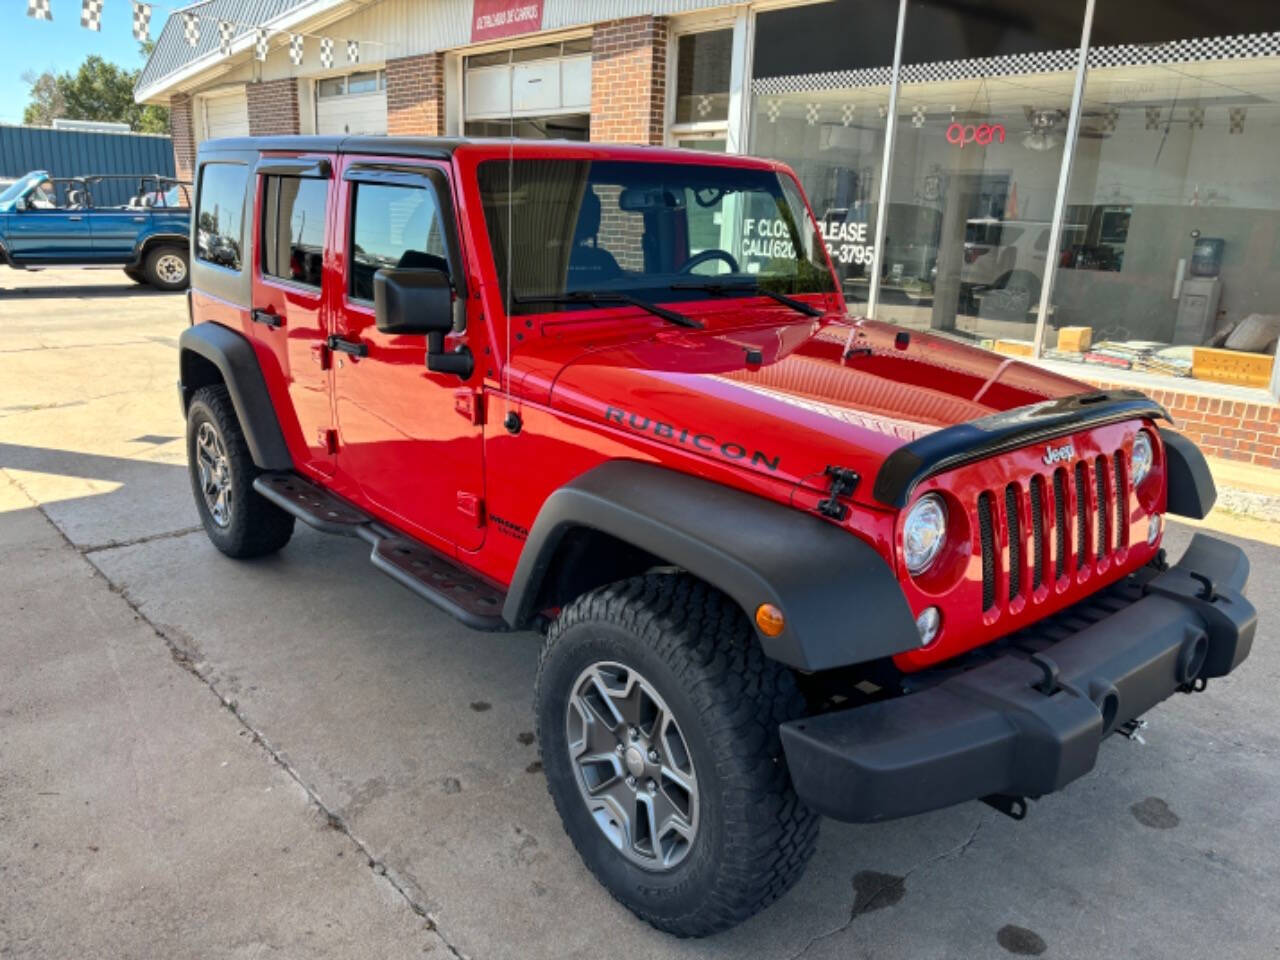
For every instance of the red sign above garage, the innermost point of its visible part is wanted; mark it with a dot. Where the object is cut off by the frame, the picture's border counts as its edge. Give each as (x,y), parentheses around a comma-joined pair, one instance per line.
(496,19)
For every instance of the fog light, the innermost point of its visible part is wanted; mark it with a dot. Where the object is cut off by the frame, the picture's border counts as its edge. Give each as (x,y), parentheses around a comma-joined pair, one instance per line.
(928,623)
(1153,528)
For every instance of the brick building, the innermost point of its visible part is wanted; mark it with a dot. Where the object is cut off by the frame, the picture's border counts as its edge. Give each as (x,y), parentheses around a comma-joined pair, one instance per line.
(1137,149)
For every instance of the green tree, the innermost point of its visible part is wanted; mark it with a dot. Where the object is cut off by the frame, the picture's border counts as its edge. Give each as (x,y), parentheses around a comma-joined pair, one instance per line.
(97,90)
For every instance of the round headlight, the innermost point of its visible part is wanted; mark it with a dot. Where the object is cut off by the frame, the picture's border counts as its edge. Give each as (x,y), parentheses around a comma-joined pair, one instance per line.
(1142,457)
(924,532)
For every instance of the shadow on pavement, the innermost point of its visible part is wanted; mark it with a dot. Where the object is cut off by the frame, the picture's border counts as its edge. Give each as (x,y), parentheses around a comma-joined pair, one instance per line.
(85,291)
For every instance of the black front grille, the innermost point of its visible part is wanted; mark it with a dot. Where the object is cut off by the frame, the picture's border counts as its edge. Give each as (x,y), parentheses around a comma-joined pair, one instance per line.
(1015,540)
(987,535)
(1106,519)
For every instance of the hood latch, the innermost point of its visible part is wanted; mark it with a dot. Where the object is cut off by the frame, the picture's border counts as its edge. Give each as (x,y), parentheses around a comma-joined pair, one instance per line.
(841,483)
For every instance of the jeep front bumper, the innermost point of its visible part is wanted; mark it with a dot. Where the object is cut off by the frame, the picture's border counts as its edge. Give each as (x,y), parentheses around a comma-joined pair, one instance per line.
(1030,720)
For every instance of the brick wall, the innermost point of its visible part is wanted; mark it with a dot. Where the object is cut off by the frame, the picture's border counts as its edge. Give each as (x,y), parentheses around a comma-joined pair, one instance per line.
(415,95)
(629,80)
(182,129)
(1230,429)
(273,107)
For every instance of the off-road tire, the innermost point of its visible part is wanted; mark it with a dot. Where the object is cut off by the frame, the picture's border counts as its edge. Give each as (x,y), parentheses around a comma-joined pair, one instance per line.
(256,526)
(754,836)
(159,275)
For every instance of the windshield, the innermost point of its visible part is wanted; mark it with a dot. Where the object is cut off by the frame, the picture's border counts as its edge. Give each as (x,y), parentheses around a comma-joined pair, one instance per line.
(19,187)
(654,231)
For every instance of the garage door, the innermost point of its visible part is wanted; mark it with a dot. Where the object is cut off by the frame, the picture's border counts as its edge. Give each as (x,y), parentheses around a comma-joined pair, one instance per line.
(356,103)
(226,115)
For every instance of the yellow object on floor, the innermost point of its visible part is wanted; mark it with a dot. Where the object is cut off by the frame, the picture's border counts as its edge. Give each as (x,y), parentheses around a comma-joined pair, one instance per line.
(1232,366)
(1015,348)
(1075,339)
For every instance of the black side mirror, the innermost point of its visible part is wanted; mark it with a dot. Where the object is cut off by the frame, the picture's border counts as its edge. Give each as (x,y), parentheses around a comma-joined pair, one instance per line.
(412,300)
(420,300)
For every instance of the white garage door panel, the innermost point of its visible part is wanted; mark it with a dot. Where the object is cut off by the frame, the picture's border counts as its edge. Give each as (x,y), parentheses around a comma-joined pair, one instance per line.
(226,116)
(363,114)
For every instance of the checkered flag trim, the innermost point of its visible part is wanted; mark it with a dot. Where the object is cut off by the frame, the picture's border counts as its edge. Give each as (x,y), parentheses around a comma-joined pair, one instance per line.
(1236,117)
(326,52)
(191,29)
(773,108)
(353,51)
(260,44)
(141,21)
(39,10)
(1195,118)
(1109,120)
(811,113)
(846,113)
(295,49)
(1182,51)
(917,116)
(91,14)
(226,30)
(799,83)
(1050,61)
(1153,118)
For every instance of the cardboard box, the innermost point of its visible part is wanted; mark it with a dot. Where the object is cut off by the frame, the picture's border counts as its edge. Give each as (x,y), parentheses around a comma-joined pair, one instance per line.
(1232,366)
(1015,348)
(1075,339)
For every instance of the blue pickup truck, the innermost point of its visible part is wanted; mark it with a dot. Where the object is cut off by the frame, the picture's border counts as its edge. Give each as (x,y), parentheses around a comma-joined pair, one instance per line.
(139,223)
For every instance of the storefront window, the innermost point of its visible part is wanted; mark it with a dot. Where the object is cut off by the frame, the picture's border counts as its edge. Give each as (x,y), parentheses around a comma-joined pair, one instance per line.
(703,62)
(981,126)
(819,103)
(1175,267)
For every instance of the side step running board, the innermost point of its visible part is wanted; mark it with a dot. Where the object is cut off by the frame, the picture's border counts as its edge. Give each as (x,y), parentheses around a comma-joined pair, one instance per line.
(431,575)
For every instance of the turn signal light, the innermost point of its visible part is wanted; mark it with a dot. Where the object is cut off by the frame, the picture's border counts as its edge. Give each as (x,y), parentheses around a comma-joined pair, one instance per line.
(770,620)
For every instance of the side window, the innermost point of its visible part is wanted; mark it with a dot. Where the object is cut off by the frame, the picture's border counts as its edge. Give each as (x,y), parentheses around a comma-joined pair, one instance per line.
(220,214)
(293,228)
(393,226)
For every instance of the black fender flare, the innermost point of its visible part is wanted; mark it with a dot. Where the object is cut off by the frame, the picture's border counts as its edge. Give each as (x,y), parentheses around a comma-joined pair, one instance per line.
(841,601)
(1192,492)
(233,355)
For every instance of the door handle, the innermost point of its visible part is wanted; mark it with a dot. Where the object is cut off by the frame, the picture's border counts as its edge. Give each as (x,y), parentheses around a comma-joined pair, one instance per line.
(349,347)
(139,219)
(267,318)
(75,219)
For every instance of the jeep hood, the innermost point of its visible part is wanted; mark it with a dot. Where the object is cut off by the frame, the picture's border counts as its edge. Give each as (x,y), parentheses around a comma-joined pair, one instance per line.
(787,401)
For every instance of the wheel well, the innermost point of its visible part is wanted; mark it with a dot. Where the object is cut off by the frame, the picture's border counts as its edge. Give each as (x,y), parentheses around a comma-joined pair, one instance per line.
(196,372)
(163,240)
(585,559)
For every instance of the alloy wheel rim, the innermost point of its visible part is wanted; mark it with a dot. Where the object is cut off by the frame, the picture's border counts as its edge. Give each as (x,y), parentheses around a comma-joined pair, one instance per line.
(171,268)
(215,474)
(632,765)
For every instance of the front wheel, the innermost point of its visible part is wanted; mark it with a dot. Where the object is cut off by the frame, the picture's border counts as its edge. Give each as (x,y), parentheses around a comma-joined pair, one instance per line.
(657,717)
(166,268)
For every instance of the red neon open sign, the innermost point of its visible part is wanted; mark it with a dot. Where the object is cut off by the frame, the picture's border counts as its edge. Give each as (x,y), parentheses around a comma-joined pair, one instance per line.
(958,134)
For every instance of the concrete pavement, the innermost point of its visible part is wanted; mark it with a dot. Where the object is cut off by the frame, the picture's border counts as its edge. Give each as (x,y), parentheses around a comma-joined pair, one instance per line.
(191,718)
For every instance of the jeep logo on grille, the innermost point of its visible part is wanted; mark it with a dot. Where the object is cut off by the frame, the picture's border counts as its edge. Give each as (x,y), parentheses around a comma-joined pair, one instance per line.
(1054,455)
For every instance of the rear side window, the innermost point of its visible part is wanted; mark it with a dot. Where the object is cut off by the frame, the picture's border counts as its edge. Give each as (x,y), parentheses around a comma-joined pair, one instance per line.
(293,212)
(393,226)
(220,215)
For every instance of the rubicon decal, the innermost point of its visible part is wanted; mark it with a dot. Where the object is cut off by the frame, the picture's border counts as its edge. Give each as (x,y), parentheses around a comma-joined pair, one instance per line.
(690,437)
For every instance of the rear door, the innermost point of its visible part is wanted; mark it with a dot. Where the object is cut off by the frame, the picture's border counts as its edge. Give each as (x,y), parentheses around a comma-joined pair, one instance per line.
(115,225)
(295,195)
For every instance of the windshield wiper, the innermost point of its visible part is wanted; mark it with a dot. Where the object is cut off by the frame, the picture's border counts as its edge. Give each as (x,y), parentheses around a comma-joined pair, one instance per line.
(718,289)
(606,296)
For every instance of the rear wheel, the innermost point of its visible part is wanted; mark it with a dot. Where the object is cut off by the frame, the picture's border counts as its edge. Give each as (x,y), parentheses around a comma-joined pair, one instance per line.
(238,519)
(657,717)
(166,268)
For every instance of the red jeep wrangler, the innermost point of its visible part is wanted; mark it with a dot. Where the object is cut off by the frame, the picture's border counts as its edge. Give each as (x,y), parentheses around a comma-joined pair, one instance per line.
(787,564)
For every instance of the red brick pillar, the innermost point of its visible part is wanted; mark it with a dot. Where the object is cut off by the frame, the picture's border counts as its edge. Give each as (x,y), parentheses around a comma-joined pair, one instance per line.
(273,107)
(629,80)
(182,130)
(415,95)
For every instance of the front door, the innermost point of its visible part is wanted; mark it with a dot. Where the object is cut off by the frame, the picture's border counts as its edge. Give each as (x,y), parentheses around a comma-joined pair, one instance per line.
(406,440)
(289,279)
(54,227)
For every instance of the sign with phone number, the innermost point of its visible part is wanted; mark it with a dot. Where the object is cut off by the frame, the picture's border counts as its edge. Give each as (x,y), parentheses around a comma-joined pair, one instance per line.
(846,240)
